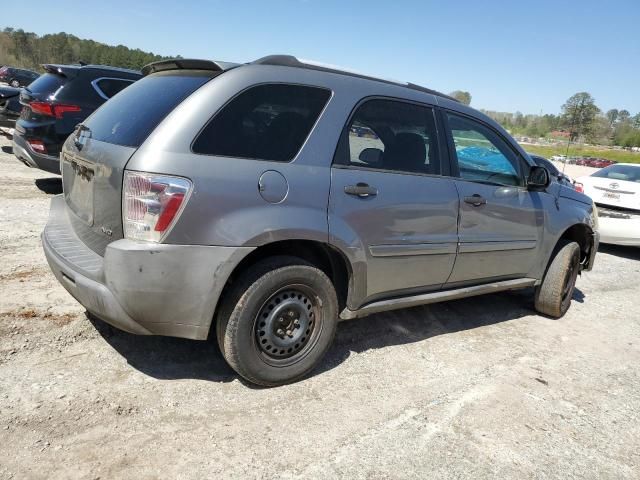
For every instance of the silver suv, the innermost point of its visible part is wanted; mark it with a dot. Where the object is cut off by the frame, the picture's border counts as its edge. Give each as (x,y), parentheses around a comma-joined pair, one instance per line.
(262,202)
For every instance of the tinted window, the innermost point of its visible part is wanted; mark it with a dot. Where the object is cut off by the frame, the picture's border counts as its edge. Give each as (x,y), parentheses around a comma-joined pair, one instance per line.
(269,122)
(110,86)
(47,83)
(627,173)
(393,135)
(482,155)
(128,118)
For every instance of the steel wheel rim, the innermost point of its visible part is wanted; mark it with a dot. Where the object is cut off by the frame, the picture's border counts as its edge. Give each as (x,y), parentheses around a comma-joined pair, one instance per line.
(287,325)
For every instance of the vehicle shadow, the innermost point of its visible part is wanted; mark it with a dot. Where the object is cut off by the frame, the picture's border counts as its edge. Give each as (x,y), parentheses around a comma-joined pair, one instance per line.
(631,253)
(7,149)
(174,358)
(51,186)
(167,358)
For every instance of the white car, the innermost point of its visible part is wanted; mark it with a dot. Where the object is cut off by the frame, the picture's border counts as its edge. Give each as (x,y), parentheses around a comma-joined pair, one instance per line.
(616,192)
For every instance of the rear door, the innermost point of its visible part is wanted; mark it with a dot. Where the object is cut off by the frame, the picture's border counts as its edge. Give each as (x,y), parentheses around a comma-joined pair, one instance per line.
(389,205)
(500,220)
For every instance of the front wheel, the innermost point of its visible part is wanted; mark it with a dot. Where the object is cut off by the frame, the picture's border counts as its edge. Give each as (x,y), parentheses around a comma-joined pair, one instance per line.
(278,321)
(553,296)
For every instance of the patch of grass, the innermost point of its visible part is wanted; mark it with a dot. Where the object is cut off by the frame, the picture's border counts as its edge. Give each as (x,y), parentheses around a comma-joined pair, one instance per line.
(623,156)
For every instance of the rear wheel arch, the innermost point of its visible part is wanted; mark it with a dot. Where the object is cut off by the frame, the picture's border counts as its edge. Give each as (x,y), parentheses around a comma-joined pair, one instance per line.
(321,255)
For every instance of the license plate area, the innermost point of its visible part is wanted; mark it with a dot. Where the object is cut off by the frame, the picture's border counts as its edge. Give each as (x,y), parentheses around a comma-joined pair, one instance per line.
(611,196)
(78,185)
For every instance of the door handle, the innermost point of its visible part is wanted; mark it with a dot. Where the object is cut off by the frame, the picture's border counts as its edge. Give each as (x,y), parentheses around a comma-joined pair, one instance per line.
(475,200)
(362,190)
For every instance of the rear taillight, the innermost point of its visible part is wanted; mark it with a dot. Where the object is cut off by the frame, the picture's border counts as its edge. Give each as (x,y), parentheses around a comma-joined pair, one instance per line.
(53,109)
(37,146)
(578,187)
(152,204)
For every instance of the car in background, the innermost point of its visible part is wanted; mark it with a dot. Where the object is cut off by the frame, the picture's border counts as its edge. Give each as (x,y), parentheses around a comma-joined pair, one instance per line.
(17,77)
(616,192)
(56,102)
(9,106)
(594,162)
(556,174)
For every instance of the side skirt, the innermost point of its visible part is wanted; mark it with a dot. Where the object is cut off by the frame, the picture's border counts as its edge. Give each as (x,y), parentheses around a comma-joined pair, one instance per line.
(434,297)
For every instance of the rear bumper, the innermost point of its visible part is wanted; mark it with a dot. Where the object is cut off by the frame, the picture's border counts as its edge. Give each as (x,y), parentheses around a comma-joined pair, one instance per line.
(25,154)
(620,231)
(142,288)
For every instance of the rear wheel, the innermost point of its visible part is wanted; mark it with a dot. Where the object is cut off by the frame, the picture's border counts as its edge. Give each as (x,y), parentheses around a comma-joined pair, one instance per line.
(553,296)
(14,83)
(278,321)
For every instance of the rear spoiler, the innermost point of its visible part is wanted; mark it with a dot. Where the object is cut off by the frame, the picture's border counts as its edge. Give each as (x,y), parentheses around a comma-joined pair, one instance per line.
(64,70)
(187,64)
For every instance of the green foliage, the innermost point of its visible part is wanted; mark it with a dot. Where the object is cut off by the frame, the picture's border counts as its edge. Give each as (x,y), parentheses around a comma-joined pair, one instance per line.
(548,151)
(461,96)
(28,50)
(579,115)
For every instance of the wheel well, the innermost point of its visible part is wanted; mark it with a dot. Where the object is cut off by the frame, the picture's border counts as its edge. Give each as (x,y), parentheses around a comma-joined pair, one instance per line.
(332,262)
(581,234)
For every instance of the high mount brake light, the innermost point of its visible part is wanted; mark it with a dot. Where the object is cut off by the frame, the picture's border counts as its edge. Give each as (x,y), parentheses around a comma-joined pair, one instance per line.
(152,204)
(53,109)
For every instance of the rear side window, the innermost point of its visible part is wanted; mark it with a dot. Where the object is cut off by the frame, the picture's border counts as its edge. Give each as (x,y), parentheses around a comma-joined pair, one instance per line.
(267,122)
(129,118)
(393,135)
(108,87)
(47,83)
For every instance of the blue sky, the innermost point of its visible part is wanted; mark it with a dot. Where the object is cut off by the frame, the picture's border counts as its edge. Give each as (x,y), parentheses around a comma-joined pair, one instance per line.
(526,56)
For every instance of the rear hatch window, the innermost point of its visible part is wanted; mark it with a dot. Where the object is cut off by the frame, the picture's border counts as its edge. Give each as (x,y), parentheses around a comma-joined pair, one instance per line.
(47,83)
(129,117)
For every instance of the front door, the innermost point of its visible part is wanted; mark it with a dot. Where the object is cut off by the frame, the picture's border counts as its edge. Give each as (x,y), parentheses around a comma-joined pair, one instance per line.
(389,209)
(500,220)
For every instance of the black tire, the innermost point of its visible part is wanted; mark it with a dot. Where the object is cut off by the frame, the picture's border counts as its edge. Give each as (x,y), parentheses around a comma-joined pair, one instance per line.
(553,296)
(277,321)
(14,83)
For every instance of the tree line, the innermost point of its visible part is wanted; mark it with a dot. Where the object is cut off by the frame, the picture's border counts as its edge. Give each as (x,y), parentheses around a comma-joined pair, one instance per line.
(580,119)
(28,50)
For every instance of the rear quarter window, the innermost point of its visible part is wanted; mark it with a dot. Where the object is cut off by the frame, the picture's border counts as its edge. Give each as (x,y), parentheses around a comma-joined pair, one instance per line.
(265,122)
(128,118)
(108,87)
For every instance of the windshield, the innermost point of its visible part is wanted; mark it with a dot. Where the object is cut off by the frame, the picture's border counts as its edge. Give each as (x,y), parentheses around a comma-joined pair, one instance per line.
(627,173)
(131,115)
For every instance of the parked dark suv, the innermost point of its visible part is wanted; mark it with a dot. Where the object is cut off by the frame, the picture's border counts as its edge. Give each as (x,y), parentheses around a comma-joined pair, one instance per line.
(58,101)
(17,77)
(259,203)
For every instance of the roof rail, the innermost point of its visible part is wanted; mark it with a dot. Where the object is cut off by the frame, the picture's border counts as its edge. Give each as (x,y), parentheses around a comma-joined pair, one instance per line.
(187,64)
(291,61)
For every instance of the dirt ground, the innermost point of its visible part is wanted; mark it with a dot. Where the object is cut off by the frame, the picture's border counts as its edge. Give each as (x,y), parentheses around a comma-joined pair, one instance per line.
(479,388)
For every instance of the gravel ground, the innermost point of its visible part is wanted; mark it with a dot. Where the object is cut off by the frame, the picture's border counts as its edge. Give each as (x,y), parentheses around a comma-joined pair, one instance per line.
(478,388)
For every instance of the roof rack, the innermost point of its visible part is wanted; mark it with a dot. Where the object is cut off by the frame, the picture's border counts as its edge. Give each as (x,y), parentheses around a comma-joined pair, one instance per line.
(188,64)
(291,61)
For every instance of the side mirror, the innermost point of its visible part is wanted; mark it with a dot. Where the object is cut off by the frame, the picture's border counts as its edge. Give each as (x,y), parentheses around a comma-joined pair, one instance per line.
(371,156)
(538,178)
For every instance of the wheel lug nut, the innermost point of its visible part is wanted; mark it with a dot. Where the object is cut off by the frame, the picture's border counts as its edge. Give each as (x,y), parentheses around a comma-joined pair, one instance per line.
(296,322)
(289,332)
(280,332)
(281,320)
